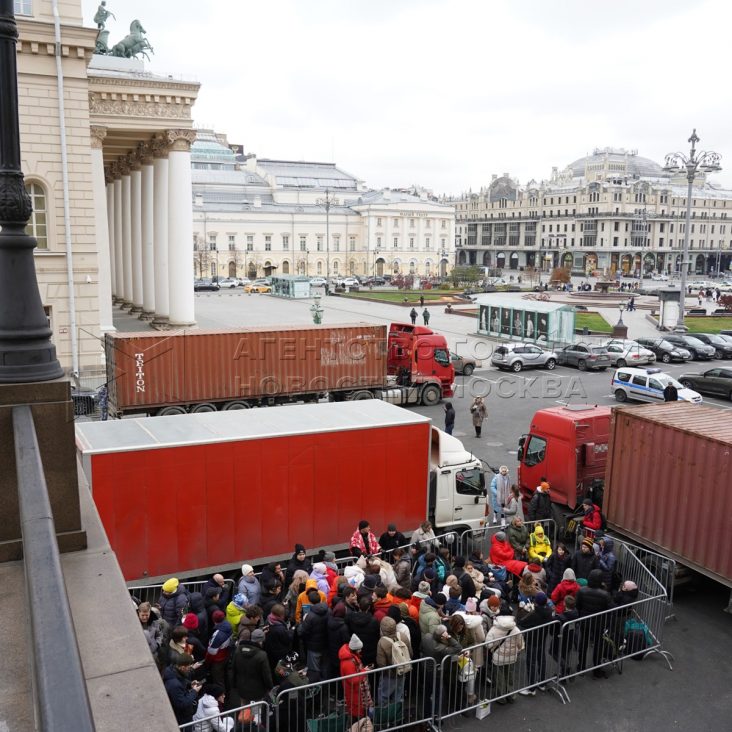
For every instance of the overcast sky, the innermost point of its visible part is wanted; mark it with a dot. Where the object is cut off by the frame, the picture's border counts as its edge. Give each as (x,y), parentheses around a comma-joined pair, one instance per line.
(444,93)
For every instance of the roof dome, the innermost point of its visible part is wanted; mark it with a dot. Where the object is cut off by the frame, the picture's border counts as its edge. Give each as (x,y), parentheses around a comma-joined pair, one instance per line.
(611,161)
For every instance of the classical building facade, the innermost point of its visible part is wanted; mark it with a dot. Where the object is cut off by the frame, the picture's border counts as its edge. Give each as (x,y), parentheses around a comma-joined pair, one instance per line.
(254,217)
(607,212)
(105,153)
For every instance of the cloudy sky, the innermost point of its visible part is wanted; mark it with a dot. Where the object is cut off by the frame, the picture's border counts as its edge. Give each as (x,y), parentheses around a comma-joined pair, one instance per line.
(446,92)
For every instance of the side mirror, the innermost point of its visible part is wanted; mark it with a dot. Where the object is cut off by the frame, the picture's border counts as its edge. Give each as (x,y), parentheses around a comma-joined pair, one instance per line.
(520,453)
(522,440)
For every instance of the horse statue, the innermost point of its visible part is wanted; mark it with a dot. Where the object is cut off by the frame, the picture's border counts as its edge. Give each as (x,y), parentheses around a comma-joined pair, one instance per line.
(134,43)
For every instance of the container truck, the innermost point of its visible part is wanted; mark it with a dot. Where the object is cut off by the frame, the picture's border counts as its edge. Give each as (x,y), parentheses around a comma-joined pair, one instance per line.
(206,371)
(202,492)
(660,472)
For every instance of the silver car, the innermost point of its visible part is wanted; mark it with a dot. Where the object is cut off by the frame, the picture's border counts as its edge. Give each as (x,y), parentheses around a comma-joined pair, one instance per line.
(519,356)
(628,353)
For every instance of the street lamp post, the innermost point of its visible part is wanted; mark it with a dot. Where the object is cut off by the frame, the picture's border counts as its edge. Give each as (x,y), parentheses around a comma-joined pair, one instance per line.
(327,202)
(26,351)
(695,161)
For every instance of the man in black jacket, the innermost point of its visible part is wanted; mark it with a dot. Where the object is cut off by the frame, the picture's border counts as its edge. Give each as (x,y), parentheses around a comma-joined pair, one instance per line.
(467,586)
(366,627)
(249,671)
(535,640)
(182,692)
(314,634)
(591,600)
(278,644)
(390,540)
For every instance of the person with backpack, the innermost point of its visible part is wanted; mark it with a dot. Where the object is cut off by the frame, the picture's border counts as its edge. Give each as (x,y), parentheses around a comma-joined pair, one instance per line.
(540,506)
(392,650)
(505,642)
(413,316)
(592,600)
(173,602)
(592,518)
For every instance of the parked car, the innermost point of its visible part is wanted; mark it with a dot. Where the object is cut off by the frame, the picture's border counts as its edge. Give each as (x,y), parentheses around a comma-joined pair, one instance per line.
(699,351)
(647,385)
(205,285)
(519,356)
(228,283)
(584,357)
(716,381)
(464,364)
(722,349)
(257,287)
(350,282)
(665,351)
(317,282)
(659,277)
(628,353)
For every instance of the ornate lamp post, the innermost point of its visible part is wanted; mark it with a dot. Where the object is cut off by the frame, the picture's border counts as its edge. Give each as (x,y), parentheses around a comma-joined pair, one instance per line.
(327,203)
(26,350)
(695,161)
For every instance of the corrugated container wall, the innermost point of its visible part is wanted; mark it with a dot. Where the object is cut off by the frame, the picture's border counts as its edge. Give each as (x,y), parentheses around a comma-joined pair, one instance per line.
(669,482)
(155,369)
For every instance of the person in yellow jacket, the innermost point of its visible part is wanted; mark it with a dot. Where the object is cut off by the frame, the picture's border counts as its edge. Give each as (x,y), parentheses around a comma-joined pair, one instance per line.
(540,548)
(303,603)
(235,612)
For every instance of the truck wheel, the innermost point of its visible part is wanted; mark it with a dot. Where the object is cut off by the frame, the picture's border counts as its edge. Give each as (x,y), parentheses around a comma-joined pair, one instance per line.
(358,396)
(431,395)
(551,364)
(203,407)
(167,411)
(230,406)
(620,395)
(582,365)
(468,369)
(666,358)
(621,363)
(517,366)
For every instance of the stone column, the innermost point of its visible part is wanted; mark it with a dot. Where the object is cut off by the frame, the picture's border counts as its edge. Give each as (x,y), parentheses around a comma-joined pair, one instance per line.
(119,264)
(180,228)
(101,225)
(136,231)
(148,258)
(110,225)
(160,232)
(126,234)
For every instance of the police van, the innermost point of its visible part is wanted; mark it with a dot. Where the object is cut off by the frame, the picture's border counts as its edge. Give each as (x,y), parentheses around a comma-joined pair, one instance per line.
(648,385)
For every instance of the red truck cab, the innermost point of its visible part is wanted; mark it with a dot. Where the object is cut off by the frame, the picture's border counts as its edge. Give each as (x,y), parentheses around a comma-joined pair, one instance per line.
(418,355)
(569,446)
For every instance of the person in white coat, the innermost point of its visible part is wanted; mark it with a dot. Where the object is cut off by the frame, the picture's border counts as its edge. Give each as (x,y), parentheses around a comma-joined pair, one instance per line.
(209,707)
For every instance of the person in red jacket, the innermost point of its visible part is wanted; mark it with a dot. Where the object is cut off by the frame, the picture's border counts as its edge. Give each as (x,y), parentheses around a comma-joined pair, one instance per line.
(592,518)
(502,554)
(568,586)
(356,688)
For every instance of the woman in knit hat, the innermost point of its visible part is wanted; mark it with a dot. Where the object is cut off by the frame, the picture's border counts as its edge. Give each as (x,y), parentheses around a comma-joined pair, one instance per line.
(355,684)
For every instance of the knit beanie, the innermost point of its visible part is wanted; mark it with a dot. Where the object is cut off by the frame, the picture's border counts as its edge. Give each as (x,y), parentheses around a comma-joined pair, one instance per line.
(185,659)
(246,569)
(355,644)
(424,588)
(569,575)
(540,598)
(587,542)
(170,585)
(191,621)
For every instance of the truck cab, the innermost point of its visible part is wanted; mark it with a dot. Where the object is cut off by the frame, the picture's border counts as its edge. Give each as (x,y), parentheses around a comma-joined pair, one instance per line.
(417,355)
(457,492)
(569,446)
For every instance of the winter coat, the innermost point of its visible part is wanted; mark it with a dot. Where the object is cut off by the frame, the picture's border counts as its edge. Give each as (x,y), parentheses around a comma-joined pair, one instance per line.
(225,593)
(314,628)
(502,554)
(267,601)
(338,634)
(249,672)
(438,649)
(555,567)
(473,635)
(381,606)
(593,599)
(182,697)
(172,606)
(583,564)
(607,562)
(500,490)
(294,564)
(592,519)
(467,586)
(540,506)
(403,572)
(426,539)
(540,548)
(355,689)
(234,614)
(197,606)
(251,589)
(270,577)
(388,542)
(478,413)
(209,707)
(220,644)
(514,507)
(429,618)
(504,640)
(564,588)
(385,646)
(541,615)
(449,416)
(303,602)
(518,537)
(366,627)
(278,642)
(321,582)
(365,546)
(155,632)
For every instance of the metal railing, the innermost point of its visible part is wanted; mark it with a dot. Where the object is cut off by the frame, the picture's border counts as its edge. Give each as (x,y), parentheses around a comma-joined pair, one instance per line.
(255,716)
(151,593)
(59,688)
(662,568)
(480,539)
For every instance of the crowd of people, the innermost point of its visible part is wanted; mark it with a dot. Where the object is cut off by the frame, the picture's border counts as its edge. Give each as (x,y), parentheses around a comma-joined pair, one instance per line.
(229,645)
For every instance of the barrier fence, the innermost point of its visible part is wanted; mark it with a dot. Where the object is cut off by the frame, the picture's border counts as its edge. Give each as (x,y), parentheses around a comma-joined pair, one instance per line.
(151,593)
(480,539)
(662,568)
(248,718)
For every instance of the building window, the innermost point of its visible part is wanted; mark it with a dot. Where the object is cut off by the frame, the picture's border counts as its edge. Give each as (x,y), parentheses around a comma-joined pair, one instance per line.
(250,242)
(396,242)
(378,221)
(396,223)
(428,223)
(411,223)
(443,242)
(411,242)
(378,242)
(23,7)
(268,243)
(303,243)
(285,241)
(37,224)
(320,268)
(427,243)
(352,243)
(213,269)
(444,224)
(336,242)
(335,265)
(212,242)
(319,242)
(232,242)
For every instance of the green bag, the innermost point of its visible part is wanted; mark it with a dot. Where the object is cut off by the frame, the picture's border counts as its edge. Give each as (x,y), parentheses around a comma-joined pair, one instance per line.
(388,716)
(335,722)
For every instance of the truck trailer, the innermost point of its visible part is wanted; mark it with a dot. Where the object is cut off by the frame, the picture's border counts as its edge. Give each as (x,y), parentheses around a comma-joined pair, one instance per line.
(194,493)
(194,370)
(661,474)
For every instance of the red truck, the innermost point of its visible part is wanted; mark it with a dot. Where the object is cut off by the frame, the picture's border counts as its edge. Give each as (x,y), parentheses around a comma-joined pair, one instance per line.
(661,473)
(206,371)
(194,493)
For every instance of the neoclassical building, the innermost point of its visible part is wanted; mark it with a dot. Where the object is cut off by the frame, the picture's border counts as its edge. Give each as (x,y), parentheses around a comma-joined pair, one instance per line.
(106,157)
(255,216)
(610,211)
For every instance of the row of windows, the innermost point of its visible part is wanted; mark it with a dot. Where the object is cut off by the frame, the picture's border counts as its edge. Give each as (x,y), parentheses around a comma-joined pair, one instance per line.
(428,223)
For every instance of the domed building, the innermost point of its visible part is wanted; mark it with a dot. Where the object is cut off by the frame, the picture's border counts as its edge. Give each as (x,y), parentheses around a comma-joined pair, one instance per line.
(607,213)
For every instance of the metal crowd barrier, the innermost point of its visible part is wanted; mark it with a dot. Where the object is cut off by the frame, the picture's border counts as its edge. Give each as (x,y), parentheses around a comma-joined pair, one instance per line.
(480,539)
(253,717)
(662,568)
(151,593)
(390,699)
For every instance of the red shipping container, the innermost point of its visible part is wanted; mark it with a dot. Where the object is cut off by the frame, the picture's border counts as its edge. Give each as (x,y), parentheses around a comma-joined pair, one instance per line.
(157,369)
(668,482)
(201,492)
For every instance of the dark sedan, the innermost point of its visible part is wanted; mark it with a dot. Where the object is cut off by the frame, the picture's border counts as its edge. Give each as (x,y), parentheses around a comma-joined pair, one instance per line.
(584,357)
(715,381)
(722,348)
(664,350)
(205,286)
(699,351)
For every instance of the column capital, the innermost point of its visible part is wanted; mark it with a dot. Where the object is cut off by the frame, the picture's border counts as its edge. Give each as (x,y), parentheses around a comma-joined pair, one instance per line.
(145,153)
(133,160)
(108,175)
(98,134)
(180,140)
(159,147)
(115,170)
(123,166)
